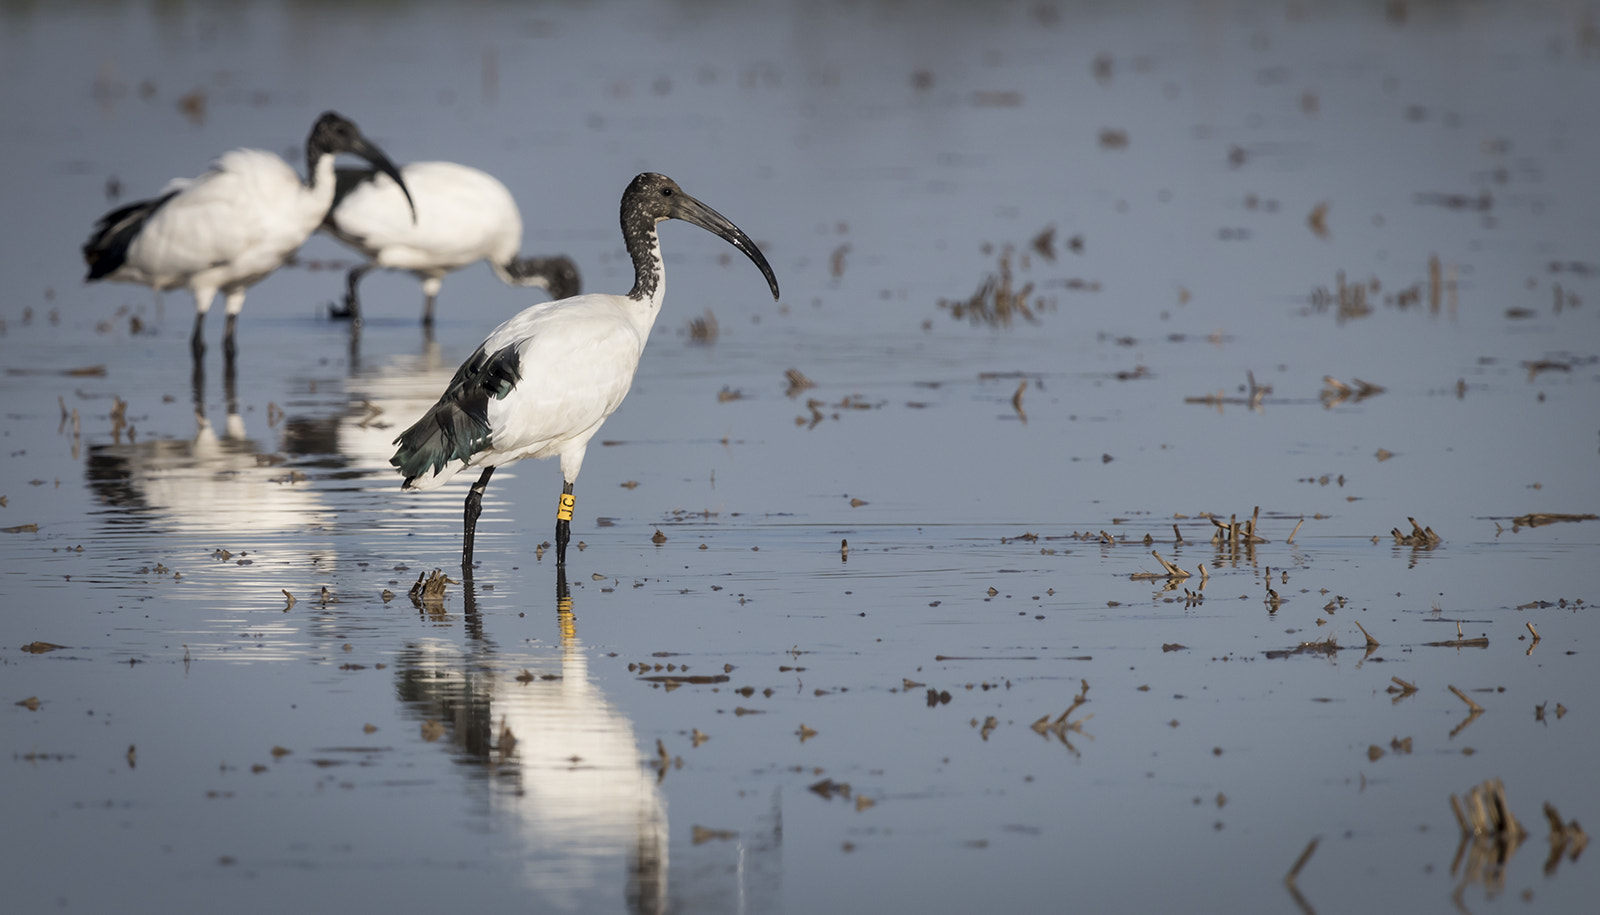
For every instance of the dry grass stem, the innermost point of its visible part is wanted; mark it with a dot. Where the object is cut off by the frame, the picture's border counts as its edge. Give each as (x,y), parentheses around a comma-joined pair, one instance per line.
(1476,708)
(1300,862)
(1371,642)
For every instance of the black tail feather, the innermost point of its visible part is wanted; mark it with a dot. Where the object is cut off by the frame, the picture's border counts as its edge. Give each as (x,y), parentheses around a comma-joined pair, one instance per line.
(107,247)
(457,427)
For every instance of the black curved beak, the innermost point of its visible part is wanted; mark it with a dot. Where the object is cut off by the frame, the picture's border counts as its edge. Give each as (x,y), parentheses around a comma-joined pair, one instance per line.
(688,209)
(367,150)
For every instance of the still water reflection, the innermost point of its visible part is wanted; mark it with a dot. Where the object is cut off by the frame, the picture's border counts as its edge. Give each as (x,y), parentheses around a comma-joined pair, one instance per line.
(226,574)
(556,765)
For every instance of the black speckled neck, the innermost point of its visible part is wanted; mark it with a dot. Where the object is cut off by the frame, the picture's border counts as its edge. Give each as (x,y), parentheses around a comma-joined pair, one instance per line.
(644,248)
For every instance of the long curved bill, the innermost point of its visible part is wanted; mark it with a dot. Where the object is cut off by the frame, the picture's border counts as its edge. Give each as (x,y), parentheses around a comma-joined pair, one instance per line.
(370,152)
(689,209)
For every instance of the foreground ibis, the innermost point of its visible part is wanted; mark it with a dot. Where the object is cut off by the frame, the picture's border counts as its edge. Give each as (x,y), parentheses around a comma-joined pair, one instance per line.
(463,216)
(545,380)
(229,228)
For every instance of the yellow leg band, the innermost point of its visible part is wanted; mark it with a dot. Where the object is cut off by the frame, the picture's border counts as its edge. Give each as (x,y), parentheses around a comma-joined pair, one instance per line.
(564,510)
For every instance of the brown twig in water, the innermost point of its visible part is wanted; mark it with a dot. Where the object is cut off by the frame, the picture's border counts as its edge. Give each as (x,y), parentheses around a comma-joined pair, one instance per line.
(1371,642)
(1296,529)
(1172,570)
(1476,708)
(1300,862)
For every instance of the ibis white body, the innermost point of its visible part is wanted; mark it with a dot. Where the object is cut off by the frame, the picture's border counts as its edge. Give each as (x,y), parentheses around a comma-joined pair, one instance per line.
(227,229)
(463,216)
(576,359)
(543,382)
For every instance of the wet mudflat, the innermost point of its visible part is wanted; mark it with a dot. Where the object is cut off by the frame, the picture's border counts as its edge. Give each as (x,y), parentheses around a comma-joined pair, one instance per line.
(864,611)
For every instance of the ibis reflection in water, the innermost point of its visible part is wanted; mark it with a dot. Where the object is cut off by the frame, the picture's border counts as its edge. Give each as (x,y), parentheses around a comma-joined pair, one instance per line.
(229,228)
(543,382)
(463,216)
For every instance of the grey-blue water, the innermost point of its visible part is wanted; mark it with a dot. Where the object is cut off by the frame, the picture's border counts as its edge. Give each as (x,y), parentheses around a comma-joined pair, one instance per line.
(741,718)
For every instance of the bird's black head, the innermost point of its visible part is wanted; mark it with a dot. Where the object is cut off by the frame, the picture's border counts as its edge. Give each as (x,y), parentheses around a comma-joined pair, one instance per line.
(334,134)
(652,197)
(557,274)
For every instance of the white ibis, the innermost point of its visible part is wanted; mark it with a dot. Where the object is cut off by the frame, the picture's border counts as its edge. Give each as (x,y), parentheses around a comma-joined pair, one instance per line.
(545,380)
(230,227)
(463,216)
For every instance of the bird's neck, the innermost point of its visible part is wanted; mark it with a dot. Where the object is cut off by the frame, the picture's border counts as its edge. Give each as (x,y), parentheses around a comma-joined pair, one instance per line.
(321,184)
(644,248)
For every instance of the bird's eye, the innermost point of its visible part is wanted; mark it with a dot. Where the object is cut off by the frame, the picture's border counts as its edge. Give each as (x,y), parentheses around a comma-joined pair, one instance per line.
(666,192)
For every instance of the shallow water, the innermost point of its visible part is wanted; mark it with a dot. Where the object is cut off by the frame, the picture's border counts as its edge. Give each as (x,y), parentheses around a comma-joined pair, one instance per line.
(863,720)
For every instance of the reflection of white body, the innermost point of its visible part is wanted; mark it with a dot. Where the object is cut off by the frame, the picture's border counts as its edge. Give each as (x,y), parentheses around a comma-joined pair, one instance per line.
(207,484)
(572,788)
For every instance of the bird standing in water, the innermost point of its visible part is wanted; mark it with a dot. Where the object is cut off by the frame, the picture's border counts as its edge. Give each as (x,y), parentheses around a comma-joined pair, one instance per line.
(543,382)
(465,216)
(229,228)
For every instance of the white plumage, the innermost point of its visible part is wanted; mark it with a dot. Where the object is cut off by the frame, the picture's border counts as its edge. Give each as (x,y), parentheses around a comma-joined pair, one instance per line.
(543,382)
(227,229)
(463,216)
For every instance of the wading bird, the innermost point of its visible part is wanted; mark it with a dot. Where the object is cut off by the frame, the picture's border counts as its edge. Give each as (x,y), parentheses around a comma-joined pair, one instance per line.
(230,227)
(544,381)
(463,216)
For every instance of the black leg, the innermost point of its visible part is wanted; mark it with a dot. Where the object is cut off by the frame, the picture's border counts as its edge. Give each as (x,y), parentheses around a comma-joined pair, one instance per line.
(197,340)
(227,338)
(427,311)
(473,510)
(564,524)
(351,308)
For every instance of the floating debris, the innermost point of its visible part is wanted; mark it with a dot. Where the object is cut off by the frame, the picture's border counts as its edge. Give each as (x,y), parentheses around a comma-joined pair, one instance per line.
(701,835)
(41,647)
(836,260)
(1172,571)
(1481,202)
(997,303)
(1233,533)
(828,789)
(1420,537)
(1485,815)
(1328,647)
(797,382)
(1565,839)
(1539,519)
(703,330)
(429,589)
(1335,392)
(1318,220)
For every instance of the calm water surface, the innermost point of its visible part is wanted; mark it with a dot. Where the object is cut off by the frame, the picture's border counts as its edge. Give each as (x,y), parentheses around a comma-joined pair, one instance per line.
(245,708)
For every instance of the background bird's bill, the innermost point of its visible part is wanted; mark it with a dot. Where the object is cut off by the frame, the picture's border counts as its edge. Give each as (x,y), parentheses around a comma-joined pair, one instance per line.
(366,150)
